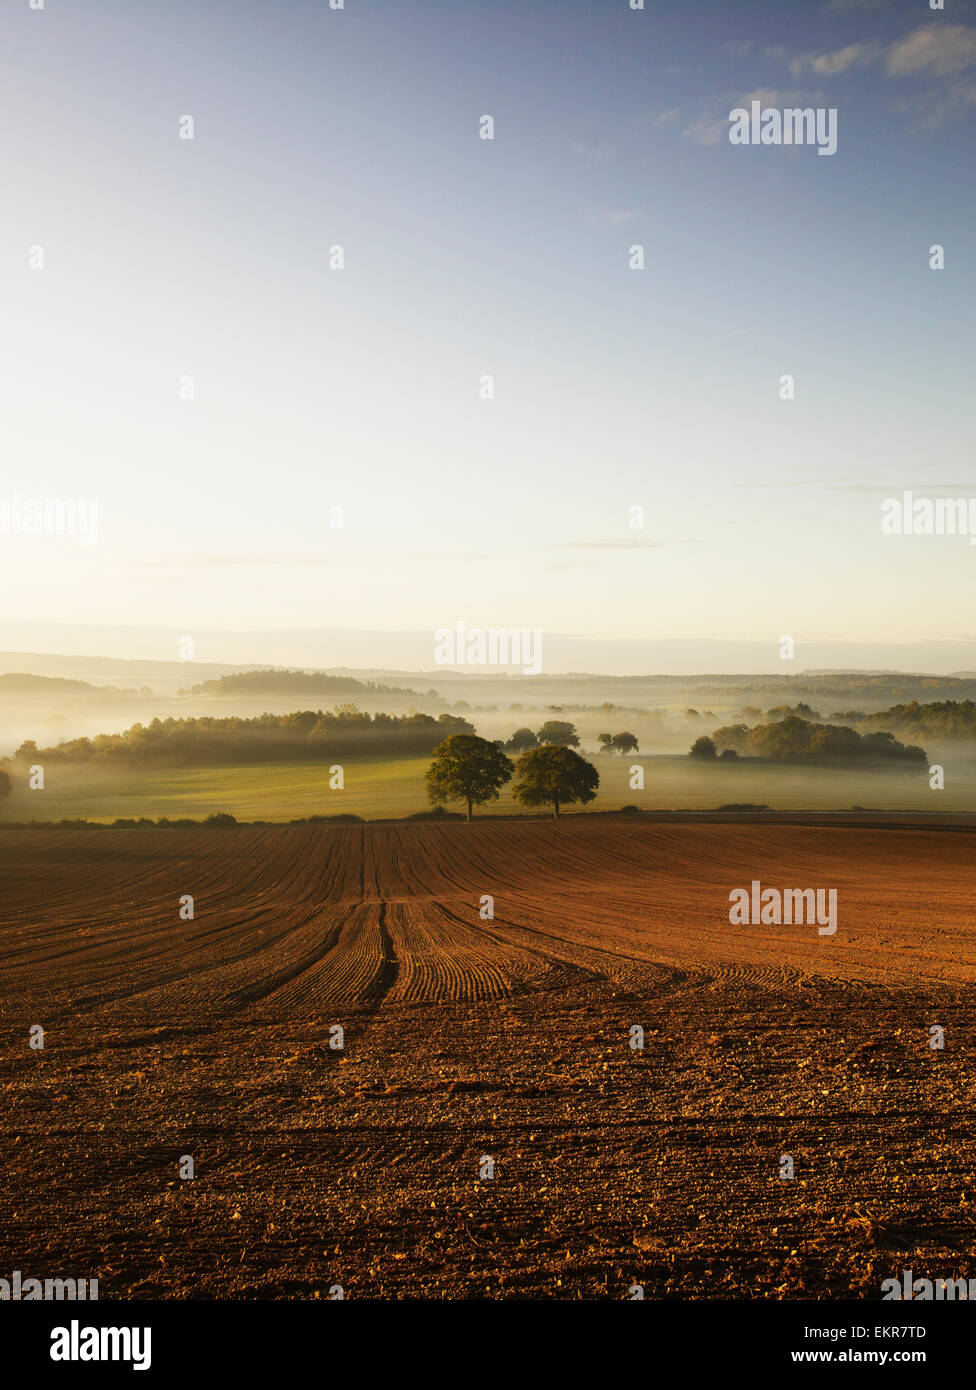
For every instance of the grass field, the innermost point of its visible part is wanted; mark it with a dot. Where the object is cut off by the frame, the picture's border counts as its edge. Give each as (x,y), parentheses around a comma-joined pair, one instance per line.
(394,787)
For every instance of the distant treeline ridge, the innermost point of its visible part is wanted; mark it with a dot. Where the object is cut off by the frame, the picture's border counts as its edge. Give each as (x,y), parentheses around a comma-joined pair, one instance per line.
(292,683)
(308,734)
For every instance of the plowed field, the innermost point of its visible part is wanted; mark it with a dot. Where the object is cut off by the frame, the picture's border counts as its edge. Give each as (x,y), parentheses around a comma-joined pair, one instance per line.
(470,1038)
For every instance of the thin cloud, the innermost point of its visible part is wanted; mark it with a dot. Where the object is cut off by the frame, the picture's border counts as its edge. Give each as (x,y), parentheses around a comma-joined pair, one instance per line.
(618,543)
(943,53)
(707,130)
(450,555)
(209,562)
(865,486)
(855,55)
(940,50)
(867,6)
(598,150)
(829,482)
(773,96)
(934,109)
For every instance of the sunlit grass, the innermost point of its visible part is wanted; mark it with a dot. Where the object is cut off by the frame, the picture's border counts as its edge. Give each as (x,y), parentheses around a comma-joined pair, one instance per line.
(394,787)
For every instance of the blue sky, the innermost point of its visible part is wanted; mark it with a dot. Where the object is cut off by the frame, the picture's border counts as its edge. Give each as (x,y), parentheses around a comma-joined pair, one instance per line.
(359,388)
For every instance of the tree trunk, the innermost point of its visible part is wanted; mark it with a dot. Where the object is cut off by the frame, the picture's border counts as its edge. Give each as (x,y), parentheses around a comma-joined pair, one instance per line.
(556,806)
(469,808)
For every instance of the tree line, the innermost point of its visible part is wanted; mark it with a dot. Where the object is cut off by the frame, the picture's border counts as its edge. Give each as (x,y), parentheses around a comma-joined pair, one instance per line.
(799,740)
(308,734)
(939,719)
(936,719)
(560,731)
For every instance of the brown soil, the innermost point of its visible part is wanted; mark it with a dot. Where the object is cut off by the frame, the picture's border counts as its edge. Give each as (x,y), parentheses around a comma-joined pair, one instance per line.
(468,1038)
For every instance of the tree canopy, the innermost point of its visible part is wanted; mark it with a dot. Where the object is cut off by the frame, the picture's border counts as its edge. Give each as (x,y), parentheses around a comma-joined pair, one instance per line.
(798,740)
(308,734)
(939,719)
(554,774)
(469,769)
(703,747)
(521,739)
(618,743)
(559,731)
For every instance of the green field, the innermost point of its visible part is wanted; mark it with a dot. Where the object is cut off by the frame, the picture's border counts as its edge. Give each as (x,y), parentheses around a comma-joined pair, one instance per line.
(395,787)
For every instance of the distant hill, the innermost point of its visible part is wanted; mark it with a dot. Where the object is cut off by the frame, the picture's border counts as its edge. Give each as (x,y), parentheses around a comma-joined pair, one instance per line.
(19,683)
(291,683)
(876,685)
(865,691)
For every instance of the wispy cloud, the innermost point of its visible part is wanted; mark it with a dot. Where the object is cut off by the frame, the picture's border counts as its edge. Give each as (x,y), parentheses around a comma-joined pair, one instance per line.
(935,109)
(669,117)
(868,6)
(944,54)
(450,555)
(869,487)
(941,50)
(854,55)
(842,483)
(773,96)
(212,562)
(598,150)
(707,130)
(618,543)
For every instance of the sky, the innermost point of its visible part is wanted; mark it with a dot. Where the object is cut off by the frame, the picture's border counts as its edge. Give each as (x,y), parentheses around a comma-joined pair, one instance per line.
(204,264)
